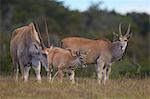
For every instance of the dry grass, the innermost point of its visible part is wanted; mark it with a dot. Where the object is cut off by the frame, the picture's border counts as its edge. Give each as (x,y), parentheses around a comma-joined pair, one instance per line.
(83,89)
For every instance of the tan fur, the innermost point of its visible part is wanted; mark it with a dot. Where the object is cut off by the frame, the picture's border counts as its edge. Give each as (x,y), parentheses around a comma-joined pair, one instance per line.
(22,46)
(61,59)
(93,47)
(101,52)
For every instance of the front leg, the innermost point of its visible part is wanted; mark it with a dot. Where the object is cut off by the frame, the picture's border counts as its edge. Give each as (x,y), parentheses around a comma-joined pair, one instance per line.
(54,76)
(100,72)
(37,69)
(26,73)
(105,68)
(61,75)
(49,73)
(71,76)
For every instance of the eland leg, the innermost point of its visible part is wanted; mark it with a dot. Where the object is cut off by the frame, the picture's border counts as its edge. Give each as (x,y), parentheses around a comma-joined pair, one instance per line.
(37,72)
(15,69)
(26,73)
(16,72)
(100,73)
(61,74)
(108,70)
(105,68)
(54,76)
(21,69)
(71,76)
(49,74)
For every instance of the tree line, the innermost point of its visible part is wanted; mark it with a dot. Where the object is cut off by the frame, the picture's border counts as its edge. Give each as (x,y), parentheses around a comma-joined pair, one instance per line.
(93,23)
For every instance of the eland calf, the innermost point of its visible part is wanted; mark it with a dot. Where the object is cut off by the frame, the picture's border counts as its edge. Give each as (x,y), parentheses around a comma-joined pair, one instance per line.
(65,61)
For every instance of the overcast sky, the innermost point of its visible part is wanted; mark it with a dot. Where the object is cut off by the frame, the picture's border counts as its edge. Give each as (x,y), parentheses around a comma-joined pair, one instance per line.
(121,6)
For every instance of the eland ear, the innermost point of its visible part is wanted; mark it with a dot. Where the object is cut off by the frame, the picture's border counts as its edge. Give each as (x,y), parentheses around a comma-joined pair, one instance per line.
(51,47)
(129,35)
(77,53)
(32,27)
(115,35)
(73,53)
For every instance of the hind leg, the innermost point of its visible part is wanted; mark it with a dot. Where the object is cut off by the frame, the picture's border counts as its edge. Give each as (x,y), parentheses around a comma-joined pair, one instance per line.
(21,69)
(16,71)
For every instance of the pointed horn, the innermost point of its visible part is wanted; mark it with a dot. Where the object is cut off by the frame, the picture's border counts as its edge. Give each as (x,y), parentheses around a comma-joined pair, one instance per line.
(128,31)
(46,29)
(120,33)
(115,34)
(42,43)
(37,28)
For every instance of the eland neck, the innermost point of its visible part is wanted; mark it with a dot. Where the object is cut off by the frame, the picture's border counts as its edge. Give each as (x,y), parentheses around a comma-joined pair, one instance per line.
(117,50)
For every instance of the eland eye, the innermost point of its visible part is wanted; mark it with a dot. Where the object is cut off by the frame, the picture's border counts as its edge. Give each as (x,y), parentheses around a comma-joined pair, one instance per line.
(81,57)
(44,54)
(126,40)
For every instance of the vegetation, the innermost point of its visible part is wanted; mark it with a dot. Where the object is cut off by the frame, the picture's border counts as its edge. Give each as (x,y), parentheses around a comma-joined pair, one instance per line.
(83,89)
(92,23)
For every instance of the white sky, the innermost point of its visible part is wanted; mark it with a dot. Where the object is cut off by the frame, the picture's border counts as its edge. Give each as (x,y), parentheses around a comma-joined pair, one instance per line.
(121,6)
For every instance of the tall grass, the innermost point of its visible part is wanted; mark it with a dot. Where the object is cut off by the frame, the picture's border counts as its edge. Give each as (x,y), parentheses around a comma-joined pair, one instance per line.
(84,88)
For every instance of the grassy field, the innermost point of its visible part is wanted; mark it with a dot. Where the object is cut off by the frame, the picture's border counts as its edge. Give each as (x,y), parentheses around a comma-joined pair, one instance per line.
(83,89)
